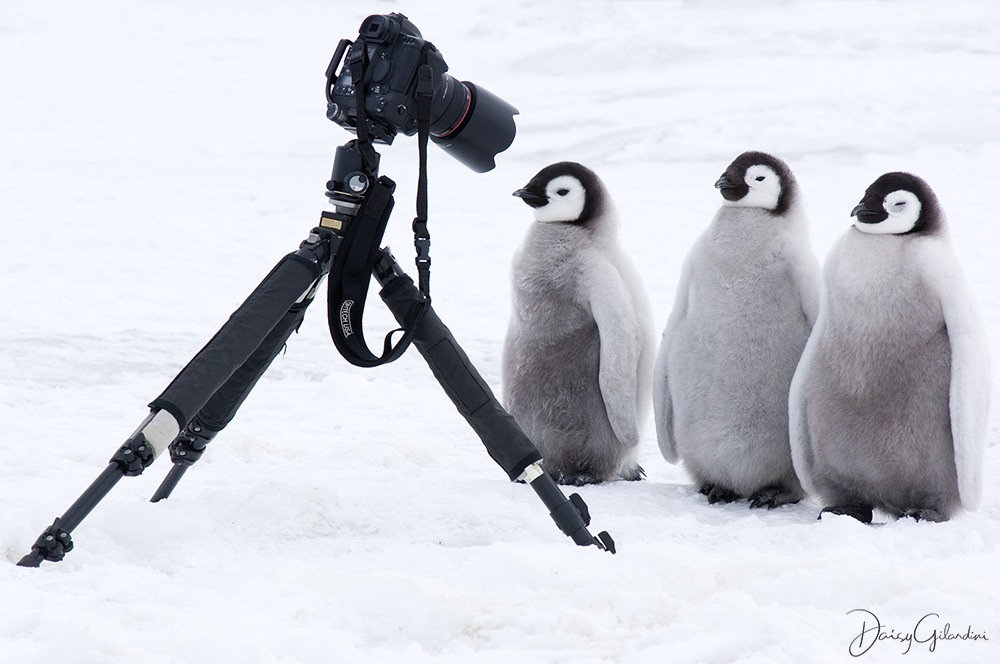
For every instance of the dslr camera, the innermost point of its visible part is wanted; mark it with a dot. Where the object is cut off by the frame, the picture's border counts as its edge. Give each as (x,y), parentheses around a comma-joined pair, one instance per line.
(467,121)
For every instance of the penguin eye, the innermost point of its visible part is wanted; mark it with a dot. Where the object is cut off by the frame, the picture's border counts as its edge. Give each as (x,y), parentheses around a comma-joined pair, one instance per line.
(899,204)
(759,178)
(563,191)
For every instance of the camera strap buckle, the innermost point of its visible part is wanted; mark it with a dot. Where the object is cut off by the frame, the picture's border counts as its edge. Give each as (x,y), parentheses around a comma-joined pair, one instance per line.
(422,241)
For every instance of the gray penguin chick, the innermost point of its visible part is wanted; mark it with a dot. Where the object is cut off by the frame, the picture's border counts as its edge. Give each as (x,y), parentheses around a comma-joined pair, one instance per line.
(577,358)
(746,301)
(889,403)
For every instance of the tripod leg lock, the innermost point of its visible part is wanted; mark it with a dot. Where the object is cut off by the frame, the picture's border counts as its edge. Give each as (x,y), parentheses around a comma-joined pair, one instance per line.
(190,444)
(52,545)
(134,455)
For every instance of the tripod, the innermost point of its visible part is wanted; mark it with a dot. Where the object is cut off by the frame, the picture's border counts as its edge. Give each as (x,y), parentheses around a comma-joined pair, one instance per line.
(205,396)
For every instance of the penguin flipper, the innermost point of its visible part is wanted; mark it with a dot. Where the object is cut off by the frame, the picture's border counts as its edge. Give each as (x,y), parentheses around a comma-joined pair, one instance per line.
(798,429)
(663,407)
(621,340)
(809,281)
(969,395)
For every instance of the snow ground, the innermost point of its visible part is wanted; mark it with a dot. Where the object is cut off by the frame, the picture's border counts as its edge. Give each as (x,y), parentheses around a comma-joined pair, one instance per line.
(157,158)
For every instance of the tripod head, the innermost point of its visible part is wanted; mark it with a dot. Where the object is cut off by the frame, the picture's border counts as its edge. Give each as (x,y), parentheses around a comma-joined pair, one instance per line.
(350,180)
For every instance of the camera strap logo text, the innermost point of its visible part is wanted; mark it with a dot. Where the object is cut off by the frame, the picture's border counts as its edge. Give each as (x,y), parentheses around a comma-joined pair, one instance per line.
(345,317)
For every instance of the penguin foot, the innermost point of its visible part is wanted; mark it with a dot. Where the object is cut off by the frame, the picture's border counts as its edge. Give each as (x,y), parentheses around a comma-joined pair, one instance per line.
(773,496)
(578,479)
(923,515)
(862,513)
(717,494)
(633,474)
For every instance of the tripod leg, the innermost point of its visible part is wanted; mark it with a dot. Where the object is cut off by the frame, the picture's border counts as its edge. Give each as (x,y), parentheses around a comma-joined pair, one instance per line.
(189,445)
(292,281)
(169,482)
(131,459)
(239,338)
(506,443)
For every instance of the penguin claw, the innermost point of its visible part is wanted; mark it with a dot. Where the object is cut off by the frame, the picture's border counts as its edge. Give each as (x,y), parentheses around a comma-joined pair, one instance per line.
(718,494)
(922,515)
(634,474)
(773,496)
(862,513)
(578,479)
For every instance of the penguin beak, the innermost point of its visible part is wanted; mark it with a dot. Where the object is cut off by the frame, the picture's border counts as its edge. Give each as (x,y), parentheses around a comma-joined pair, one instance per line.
(724,183)
(866,215)
(532,197)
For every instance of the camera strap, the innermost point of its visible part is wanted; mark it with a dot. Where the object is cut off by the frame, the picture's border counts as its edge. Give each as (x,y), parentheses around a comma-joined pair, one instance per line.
(351,272)
(358,64)
(351,275)
(421,236)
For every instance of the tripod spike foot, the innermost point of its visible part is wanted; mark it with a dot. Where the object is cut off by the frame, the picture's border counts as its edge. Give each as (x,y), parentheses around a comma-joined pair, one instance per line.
(169,482)
(53,545)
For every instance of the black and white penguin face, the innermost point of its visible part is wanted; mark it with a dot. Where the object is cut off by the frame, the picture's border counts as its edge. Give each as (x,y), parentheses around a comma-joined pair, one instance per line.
(897,204)
(565,198)
(563,193)
(757,179)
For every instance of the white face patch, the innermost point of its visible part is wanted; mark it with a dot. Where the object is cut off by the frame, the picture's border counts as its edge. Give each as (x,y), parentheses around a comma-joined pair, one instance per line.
(566,200)
(765,188)
(903,208)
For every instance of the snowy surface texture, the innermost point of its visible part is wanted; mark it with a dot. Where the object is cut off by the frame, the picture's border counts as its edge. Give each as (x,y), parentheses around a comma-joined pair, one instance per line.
(157,159)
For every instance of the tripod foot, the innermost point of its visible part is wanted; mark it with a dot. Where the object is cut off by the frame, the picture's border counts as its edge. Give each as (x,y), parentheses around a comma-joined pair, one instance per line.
(53,545)
(571,515)
(32,559)
(605,539)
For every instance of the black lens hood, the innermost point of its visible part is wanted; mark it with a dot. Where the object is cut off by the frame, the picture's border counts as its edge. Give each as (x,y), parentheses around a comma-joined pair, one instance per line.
(487,130)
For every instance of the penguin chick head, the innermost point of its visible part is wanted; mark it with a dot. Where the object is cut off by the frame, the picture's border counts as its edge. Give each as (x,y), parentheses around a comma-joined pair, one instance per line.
(565,192)
(757,179)
(898,204)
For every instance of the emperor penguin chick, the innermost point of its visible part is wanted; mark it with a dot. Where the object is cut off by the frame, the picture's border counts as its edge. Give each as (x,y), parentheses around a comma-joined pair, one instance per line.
(746,301)
(577,359)
(889,403)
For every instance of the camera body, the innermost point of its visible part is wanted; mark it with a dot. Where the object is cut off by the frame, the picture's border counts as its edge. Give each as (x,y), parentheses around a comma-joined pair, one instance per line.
(467,121)
(395,51)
